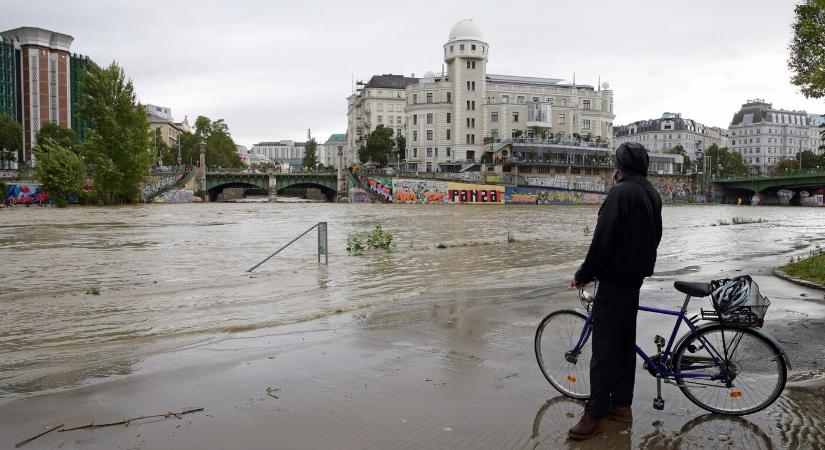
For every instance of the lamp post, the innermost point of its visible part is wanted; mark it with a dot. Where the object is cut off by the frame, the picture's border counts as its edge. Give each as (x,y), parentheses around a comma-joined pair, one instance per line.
(179,165)
(202,170)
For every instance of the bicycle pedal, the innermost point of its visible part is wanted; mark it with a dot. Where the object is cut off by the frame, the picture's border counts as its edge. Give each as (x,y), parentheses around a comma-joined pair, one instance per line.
(659,403)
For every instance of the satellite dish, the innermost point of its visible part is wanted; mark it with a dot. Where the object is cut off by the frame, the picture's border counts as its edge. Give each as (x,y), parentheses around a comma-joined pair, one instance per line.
(605,85)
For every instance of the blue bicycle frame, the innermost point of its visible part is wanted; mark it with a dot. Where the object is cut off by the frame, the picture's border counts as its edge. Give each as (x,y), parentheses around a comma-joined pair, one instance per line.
(660,366)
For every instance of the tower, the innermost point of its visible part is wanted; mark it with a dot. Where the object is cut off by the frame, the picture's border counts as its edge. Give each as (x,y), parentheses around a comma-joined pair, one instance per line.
(466,56)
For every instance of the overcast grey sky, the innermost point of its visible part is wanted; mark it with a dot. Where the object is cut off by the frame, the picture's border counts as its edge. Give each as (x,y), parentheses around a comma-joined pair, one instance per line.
(272,69)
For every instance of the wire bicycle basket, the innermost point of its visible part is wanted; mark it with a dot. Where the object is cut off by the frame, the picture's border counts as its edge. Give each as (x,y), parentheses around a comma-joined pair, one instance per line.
(751,313)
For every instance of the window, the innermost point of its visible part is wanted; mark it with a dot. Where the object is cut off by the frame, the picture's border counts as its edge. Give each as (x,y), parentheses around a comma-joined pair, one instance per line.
(494,117)
(429,152)
(468,64)
(468,139)
(415,135)
(472,46)
(449,117)
(415,119)
(471,85)
(415,152)
(535,99)
(429,135)
(549,100)
(515,117)
(451,49)
(449,134)
(436,152)
(505,98)
(473,63)
(561,121)
(494,133)
(473,104)
(429,97)
(429,166)
(380,119)
(448,151)
(520,99)
(449,97)
(415,99)
(468,105)
(564,102)
(461,47)
(585,104)
(585,124)
(429,118)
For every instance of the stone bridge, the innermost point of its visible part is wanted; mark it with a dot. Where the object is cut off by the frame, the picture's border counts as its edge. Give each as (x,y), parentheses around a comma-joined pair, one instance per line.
(269,184)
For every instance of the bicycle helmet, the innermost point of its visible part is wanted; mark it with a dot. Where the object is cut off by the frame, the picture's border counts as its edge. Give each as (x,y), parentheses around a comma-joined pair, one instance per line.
(732,293)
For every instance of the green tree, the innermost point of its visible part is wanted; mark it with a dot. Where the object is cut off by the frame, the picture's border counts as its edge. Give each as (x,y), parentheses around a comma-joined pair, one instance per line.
(59,169)
(220,148)
(378,148)
(310,155)
(11,134)
(117,147)
(807,58)
(723,161)
(679,150)
(401,146)
(61,136)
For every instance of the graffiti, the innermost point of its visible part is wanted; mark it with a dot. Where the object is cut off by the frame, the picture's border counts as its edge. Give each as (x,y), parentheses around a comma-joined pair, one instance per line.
(25,194)
(673,191)
(581,183)
(381,186)
(474,193)
(150,190)
(358,195)
(176,196)
(812,200)
(492,179)
(9,173)
(463,176)
(419,191)
(540,196)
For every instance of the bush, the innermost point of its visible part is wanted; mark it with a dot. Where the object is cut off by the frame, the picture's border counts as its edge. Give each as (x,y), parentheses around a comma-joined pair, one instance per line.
(811,268)
(370,240)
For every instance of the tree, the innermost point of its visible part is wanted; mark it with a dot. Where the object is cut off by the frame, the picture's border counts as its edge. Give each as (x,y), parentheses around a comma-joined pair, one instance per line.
(807,58)
(679,150)
(810,160)
(378,147)
(10,137)
(220,148)
(61,136)
(59,169)
(310,156)
(723,161)
(117,147)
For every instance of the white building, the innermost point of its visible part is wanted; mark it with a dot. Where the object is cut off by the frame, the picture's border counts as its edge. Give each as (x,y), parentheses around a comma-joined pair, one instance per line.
(285,151)
(658,135)
(328,151)
(764,136)
(447,116)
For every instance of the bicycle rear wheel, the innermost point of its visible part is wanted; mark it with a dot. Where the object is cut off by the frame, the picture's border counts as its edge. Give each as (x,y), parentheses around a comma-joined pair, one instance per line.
(556,335)
(757,370)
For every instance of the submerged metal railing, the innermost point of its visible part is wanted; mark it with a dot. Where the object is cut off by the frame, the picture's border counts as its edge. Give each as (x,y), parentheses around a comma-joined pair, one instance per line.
(322,245)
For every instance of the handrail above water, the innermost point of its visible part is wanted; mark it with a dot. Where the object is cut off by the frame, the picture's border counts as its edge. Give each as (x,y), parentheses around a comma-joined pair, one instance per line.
(322,245)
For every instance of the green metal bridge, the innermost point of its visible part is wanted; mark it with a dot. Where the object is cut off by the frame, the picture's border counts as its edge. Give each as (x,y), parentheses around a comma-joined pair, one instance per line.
(217,180)
(794,181)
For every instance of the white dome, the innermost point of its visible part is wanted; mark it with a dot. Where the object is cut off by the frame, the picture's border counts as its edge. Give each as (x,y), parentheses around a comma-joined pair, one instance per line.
(466,30)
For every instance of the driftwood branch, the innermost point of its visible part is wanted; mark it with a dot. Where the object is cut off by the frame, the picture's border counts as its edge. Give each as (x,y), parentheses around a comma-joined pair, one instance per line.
(35,437)
(126,422)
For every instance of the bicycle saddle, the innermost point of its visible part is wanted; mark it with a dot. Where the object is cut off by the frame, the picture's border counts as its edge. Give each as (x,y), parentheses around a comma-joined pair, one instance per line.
(693,288)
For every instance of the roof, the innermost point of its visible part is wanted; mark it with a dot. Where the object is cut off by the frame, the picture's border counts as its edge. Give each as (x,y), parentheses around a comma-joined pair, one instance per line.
(466,30)
(758,111)
(390,81)
(338,137)
(646,126)
(535,81)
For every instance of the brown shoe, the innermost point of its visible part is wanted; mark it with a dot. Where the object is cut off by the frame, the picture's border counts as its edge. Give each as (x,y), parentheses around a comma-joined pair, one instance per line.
(586,428)
(623,414)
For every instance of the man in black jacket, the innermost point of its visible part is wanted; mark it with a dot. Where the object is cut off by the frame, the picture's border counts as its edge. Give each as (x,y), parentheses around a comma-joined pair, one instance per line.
(621,255)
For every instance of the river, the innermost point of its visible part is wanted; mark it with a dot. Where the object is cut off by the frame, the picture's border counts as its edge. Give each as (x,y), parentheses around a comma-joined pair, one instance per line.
(174,276)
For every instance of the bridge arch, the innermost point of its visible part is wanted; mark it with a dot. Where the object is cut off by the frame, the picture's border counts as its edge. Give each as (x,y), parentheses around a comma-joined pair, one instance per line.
(248,189)
(294,187)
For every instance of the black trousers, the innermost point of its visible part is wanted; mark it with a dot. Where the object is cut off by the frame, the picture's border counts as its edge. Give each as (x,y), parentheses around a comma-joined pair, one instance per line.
(613,365)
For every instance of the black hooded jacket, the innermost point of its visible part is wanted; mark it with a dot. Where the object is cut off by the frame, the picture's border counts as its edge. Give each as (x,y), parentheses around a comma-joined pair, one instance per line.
(629,228)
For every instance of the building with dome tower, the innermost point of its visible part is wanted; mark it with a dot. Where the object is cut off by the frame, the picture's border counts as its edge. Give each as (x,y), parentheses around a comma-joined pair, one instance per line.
(451,119)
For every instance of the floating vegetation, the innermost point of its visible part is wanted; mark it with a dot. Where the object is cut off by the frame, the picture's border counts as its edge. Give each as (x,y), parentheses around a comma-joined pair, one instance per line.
(93,291)
(378,238)
(441,246)
(586,231)
(739,220)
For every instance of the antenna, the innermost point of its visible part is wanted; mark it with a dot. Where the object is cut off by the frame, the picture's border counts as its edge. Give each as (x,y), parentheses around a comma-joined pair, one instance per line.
(600,82)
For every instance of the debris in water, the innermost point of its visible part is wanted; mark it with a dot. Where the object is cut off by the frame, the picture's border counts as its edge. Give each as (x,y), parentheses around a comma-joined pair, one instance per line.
(448,428)
(270,391)
(570,415)
(20,444)
(93,291)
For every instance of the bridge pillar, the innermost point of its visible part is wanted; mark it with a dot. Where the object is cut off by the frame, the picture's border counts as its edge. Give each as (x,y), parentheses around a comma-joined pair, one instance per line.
(273,188)
(342,182)
(202,176)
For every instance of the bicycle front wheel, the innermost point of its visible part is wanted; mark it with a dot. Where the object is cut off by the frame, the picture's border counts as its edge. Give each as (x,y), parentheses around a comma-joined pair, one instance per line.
(756,370)
(564,365)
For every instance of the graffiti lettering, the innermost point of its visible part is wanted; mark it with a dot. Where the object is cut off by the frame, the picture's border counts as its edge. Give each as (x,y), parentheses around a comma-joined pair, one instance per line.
(473,196)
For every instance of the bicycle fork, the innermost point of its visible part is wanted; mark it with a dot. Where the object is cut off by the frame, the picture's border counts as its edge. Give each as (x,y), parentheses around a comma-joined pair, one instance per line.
(658,401)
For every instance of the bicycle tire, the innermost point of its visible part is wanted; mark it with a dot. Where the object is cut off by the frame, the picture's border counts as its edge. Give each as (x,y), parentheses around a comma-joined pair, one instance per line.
(762,376)
(571,379)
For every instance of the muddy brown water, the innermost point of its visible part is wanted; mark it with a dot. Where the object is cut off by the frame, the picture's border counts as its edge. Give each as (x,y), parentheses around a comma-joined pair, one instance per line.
(172,277)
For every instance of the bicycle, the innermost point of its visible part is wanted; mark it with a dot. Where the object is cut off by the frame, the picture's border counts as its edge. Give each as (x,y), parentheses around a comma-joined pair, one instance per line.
(724,365)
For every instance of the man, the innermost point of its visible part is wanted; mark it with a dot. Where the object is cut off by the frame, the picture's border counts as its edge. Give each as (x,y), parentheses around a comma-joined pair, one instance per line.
(621,255)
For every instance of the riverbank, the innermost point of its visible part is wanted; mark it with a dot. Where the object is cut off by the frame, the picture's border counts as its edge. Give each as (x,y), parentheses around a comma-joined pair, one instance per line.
(806,270)
(453,371)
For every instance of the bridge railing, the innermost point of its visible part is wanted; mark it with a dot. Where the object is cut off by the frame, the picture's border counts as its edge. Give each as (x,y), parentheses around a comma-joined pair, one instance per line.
(783,174)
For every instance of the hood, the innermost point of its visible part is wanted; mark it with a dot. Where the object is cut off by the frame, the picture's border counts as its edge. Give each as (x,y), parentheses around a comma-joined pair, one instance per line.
(632,159)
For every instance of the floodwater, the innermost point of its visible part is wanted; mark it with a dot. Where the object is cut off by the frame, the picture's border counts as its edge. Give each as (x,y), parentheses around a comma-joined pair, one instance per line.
(174,276)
